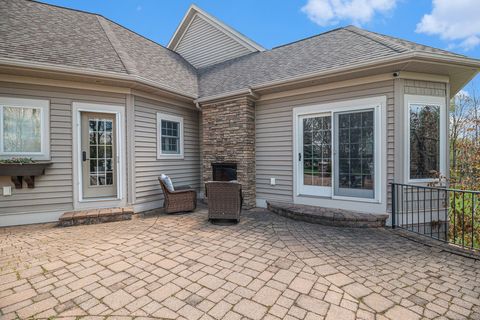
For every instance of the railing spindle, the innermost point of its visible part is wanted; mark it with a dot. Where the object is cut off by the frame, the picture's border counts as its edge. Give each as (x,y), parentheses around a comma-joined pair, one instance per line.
(418,210)
(438,212)
(454,216)
(447,220)
(431,214)
(463,219)
(406,200)
(473,220)
(424,212)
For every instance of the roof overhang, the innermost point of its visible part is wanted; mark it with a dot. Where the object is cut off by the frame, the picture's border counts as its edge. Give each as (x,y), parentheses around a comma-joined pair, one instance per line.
(94,77)
(459,71)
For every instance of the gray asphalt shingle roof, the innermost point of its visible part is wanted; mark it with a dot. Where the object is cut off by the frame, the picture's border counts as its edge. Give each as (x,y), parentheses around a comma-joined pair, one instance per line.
(39,32)
(34,31)
(341,47)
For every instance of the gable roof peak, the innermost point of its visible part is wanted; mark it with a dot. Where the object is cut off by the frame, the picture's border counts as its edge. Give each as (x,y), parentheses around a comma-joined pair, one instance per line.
(194,10)
(204,40)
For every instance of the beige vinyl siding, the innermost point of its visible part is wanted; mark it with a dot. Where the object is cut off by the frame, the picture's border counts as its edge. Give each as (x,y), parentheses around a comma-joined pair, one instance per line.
(425,88)
(147,167)
(274,135)
(204,44)
(53,191)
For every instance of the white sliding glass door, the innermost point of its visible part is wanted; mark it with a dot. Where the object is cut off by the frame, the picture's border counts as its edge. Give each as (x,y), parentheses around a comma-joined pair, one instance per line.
(338,151)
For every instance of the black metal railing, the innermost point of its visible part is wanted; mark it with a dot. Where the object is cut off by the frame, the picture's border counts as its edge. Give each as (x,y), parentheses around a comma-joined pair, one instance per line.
(445,214)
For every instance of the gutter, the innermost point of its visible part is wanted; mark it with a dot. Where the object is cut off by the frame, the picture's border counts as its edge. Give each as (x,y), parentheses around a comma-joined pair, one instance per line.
(249,91)
(94,73)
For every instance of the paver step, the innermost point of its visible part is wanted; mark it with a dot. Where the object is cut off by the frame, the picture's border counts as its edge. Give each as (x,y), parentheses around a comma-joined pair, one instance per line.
(328,216)
(93,216)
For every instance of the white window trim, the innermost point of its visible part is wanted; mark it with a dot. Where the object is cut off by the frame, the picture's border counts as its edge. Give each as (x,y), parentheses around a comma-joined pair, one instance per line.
(376,103)
(168,117)
(44,106)
(430,100)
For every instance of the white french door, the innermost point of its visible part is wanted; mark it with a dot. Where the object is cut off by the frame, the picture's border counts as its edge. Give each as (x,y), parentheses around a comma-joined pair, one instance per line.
(337,153)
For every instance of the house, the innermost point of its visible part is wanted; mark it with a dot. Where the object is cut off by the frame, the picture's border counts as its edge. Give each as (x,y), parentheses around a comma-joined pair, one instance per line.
(327,121)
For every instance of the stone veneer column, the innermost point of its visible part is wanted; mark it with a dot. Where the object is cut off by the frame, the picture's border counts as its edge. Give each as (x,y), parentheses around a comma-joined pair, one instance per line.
(229,136)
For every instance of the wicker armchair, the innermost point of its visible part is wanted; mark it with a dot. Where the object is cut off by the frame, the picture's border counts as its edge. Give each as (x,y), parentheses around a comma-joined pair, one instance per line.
(181,200)
(224,200)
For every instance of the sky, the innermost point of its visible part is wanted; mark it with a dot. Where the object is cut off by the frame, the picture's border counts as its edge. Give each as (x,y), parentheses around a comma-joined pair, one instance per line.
(446,24)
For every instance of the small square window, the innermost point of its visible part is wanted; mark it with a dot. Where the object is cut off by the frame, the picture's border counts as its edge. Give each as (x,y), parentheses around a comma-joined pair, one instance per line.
(170,137)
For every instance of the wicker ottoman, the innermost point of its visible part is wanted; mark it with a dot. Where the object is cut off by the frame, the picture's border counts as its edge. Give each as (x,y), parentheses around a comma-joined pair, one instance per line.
(224,200)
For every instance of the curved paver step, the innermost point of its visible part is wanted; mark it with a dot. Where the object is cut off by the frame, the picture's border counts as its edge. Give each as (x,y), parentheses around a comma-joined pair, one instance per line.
(328,216)
(94,216)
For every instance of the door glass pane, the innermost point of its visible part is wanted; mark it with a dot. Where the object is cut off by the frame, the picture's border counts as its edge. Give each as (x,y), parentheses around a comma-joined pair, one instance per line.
(101,152)
(355,158)
(317,146)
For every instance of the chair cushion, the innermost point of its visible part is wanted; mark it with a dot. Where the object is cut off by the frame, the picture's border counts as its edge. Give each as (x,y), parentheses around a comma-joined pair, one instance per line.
(168,182)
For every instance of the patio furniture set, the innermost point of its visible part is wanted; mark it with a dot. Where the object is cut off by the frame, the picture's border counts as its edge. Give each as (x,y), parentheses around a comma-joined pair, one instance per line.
(224,198)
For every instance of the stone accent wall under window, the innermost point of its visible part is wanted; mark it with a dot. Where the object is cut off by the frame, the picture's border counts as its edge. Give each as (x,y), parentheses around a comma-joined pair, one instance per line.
(229,137)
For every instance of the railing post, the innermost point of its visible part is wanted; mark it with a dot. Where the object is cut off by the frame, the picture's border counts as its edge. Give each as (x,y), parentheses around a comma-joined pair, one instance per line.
(394,208)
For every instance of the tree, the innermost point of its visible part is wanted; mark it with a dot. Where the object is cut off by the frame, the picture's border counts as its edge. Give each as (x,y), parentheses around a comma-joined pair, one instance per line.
(464,138)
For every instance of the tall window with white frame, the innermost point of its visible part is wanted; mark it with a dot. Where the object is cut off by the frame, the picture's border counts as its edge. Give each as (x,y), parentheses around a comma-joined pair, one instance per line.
(24,128)
(424,141)
(170,136)
(426,136)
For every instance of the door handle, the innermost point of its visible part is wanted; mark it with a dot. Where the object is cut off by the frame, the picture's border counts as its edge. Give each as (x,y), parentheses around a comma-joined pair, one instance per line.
(84,155)
(299,156)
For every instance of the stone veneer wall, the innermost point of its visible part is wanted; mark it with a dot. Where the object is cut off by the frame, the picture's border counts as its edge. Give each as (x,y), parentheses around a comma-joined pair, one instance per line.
(229,136)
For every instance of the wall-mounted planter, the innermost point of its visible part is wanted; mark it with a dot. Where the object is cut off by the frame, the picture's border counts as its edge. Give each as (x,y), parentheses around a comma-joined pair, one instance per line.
(23,171)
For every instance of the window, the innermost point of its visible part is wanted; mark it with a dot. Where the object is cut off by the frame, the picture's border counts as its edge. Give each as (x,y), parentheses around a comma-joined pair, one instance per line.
(169,136)
(425,137)
(24,128)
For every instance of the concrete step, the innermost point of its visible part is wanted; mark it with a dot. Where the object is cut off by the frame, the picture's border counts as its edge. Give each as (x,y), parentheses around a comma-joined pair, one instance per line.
(93,216)
(328,216)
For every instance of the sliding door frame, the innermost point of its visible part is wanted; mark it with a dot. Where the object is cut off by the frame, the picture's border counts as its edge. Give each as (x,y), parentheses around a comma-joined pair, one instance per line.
(378,105)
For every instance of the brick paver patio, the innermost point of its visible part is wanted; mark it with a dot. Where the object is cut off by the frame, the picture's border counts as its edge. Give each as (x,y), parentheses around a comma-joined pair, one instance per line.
(267,267)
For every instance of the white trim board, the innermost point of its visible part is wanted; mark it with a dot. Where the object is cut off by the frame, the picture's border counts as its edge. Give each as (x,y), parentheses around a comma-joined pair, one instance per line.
(24,218)
(119,111)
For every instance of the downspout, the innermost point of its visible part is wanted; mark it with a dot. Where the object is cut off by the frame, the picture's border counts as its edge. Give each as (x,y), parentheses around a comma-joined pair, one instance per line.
(252,93)
(197,105)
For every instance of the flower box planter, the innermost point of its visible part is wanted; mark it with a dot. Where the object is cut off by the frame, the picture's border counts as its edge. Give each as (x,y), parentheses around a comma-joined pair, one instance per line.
(23,171)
